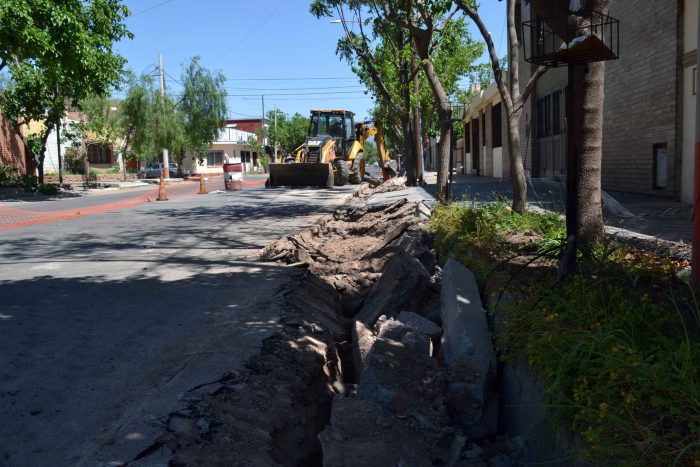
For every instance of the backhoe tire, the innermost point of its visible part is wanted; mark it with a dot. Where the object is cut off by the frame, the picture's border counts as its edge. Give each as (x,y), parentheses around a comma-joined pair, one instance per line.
(340,172)
(358,172)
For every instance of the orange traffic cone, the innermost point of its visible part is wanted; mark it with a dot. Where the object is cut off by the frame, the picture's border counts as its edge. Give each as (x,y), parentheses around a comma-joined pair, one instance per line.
(202,186)
(161,190)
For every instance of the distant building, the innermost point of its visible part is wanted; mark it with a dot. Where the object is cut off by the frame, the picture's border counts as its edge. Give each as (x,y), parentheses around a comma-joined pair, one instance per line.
(231,145)
(13,151)
(649,108)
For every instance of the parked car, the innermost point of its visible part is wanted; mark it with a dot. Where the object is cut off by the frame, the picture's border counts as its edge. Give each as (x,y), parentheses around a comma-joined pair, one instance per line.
(153,171)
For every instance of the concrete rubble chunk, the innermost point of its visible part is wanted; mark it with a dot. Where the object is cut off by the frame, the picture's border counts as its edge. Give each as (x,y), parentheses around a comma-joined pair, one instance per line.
(466,344)
(424,325)
(362,341)
(417,242)
(466,332)
(402,286)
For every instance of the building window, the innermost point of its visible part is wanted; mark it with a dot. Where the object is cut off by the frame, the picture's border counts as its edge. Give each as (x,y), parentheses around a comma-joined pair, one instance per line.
(245,157)
(496,127)
(482,120)
(99,154)
(549,115)
(215,158)
(556,113)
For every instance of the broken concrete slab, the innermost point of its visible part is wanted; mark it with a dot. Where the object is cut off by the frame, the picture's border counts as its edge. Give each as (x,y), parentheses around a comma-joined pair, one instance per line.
(417,242)
(466,344)
(402,286)
(466,332)
(362,341)
(424,325)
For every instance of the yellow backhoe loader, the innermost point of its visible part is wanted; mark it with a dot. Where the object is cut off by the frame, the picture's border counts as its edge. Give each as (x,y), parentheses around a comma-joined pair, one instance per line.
(333,153)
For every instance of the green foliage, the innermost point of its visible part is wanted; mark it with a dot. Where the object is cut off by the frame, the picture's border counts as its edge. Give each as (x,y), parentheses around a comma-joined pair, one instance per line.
(8,175)
(616,345)
(28,183)
(203,107)
(57,53)
(287,133)
(48,188)
(459,227)
(371,153)
(74,163)
(115,169)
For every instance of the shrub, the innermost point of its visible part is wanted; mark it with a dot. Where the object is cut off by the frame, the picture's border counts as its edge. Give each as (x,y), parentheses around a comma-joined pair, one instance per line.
(617,345)
(48,188)
(29,183)
(8,175)
(115,169)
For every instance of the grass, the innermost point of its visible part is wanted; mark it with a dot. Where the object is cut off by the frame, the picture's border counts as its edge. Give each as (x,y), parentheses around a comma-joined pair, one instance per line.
(617,344)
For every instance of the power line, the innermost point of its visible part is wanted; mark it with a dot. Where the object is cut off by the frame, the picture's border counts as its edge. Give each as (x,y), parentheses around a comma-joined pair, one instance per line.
(294,94)
(294,89)
(252,31)
(285,79)
(151,8)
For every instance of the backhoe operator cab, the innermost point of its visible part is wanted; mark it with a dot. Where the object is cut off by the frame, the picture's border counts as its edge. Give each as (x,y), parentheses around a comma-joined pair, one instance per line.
(332,138)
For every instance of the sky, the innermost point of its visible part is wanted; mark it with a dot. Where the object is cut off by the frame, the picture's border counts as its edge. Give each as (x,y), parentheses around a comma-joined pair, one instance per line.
(270,48)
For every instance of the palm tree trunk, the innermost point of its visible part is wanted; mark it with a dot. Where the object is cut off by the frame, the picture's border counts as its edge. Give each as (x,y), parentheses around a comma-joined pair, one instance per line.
(589,228)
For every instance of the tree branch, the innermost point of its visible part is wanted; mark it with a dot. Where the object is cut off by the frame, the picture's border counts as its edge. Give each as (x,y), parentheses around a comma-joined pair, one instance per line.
(530,86)
(497,72)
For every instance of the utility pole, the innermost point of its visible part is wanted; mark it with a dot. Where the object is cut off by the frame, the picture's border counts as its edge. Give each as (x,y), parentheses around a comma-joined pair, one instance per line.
(696,183)
(60,164)
(166,162)
(274,157)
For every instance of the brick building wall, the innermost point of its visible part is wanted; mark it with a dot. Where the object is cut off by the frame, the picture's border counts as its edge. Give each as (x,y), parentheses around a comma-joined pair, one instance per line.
(641,98)
(13,152)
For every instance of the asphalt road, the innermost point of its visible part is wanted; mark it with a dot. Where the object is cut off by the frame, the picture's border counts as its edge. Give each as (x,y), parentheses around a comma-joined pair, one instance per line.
(106,320)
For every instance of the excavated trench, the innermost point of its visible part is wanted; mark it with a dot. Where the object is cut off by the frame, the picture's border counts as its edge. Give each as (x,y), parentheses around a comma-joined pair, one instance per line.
(300,401)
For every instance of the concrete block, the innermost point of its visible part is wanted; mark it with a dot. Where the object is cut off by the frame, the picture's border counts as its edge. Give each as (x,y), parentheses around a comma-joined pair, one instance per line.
(423,325)
(417,242)
(362,342)
(465,330)
(466,343)
(403,286)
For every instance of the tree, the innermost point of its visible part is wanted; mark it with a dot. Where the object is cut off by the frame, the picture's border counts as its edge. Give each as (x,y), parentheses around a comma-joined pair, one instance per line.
(288,133)
(426,21)
(384,54)
(66,58)
(203,106)
(512,97)
(381,56)
(586,130)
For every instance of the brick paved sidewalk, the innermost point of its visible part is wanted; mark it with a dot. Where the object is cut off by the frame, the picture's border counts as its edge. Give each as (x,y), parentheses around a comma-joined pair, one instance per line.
(12,217)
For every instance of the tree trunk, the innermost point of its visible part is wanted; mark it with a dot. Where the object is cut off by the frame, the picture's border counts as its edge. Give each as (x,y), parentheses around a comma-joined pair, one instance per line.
(445,111)
(407,124)
(517,170)
(589,227)
(415,120)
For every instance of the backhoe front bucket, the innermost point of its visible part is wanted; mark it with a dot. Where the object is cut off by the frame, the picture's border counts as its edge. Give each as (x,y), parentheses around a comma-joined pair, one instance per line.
(301,174)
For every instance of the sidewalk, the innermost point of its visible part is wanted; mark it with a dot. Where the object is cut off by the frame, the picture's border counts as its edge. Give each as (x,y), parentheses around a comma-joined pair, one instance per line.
(657,217)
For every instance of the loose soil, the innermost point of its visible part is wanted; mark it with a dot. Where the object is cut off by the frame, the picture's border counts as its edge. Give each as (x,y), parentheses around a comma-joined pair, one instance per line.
(278,408)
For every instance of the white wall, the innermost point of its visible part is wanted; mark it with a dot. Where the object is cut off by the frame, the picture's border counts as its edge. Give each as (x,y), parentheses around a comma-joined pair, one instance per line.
(498,162)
